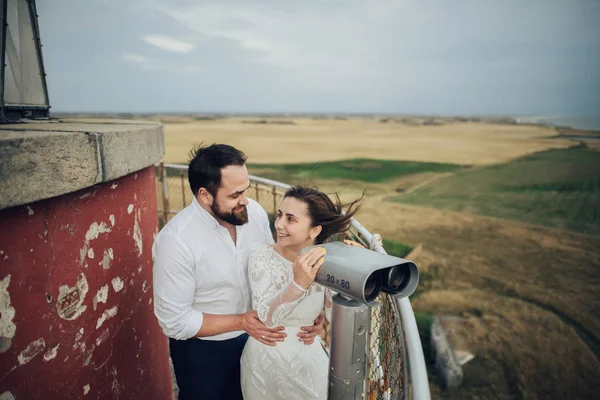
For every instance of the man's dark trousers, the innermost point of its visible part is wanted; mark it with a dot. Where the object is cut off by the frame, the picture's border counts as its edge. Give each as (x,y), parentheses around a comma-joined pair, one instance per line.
(208,369)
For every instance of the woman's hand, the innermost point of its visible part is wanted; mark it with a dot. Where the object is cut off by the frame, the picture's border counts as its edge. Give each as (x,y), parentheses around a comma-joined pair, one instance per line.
(353,243)
(307,265)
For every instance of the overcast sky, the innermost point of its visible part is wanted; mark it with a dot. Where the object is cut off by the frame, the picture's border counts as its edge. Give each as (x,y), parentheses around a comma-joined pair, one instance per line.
(517,57)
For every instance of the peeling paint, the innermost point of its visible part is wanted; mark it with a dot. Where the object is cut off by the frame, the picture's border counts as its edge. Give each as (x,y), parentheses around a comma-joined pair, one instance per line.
(86,389)
(115,386)
(137,233)
(78,337)
(7,396)
(117,284)
(130,209)
(34,348)
(91,253)
(140,269)
(7,314)
(112,220)
(82,254)
(106,315)
(107,258)
(101,296)
(150,300)
(79,345)
(70,299)
(103,336)
(29,210)
(88,356)
(114,186)
(93,232)
(83,196)
(51,354)
(145,286)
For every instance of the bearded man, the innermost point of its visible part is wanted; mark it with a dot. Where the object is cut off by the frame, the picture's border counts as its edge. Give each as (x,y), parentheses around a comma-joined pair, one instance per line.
(201,291)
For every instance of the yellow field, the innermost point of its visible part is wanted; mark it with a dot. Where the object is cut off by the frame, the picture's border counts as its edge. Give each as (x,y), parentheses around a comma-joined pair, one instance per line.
(527,292)
(327,140)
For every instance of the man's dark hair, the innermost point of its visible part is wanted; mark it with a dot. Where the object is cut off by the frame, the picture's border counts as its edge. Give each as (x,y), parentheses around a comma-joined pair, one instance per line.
(205,166)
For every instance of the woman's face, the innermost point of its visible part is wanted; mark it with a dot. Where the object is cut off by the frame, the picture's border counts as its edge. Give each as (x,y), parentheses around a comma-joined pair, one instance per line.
(293,224)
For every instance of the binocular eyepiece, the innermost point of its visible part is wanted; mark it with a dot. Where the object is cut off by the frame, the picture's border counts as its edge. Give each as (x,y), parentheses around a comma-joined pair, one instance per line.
(362,274)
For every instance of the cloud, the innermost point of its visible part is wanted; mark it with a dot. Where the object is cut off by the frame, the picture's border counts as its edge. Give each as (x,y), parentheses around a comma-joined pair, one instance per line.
(135,58)
(169,44)
(292,39)
(156,64)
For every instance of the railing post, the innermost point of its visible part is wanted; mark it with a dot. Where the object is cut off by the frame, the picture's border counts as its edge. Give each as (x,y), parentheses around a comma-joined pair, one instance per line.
(416,359)
(183,188)
(164,190)
(274,191)
(256,188)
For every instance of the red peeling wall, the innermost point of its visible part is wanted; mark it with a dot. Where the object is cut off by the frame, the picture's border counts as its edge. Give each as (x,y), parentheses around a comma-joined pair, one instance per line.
(76,312)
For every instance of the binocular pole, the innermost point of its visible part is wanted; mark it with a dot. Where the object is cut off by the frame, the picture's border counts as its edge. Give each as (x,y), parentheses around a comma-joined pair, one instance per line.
(348,353)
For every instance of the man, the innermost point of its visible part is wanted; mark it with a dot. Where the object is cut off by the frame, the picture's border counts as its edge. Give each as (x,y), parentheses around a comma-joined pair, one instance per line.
(201,295)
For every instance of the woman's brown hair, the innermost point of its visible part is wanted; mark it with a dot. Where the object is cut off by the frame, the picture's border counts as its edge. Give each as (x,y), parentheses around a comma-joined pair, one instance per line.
(324,211)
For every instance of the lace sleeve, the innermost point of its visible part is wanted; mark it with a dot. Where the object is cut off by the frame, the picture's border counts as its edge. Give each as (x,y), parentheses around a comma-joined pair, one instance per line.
(329,302)
(273,297)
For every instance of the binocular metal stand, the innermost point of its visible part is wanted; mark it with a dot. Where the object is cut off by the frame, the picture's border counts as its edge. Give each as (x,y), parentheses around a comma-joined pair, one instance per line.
(348,353)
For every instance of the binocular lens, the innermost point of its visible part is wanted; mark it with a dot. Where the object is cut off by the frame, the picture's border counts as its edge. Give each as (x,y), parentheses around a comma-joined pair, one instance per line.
(373,286)
(397,279)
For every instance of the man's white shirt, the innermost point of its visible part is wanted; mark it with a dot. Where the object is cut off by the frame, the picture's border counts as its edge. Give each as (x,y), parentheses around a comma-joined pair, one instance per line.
(198,269)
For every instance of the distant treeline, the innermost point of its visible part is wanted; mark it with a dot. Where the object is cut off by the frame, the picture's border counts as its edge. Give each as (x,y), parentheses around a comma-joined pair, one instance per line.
(420,121)
(269,121)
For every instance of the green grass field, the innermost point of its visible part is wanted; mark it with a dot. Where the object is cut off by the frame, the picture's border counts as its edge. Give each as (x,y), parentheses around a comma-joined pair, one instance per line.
(365,170)
(395,248)
(555,188)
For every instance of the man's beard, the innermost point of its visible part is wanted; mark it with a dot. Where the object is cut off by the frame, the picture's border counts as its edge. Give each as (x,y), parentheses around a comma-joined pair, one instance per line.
(231,217)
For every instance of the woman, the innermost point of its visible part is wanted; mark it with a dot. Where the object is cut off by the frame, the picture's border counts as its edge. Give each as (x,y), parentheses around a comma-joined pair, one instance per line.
(284,294)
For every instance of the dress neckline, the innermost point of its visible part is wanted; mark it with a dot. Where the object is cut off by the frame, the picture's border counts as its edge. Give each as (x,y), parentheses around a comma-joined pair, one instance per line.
(282,258)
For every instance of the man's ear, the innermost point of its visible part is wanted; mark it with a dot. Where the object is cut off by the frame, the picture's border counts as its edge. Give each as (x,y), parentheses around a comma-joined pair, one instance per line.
(204,197)
(315,231)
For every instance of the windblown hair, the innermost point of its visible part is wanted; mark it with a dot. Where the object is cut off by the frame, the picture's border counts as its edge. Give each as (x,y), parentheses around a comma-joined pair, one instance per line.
(206,163)
(324,211)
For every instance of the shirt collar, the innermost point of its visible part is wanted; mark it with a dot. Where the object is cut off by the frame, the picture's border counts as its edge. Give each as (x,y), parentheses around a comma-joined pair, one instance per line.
(204,215)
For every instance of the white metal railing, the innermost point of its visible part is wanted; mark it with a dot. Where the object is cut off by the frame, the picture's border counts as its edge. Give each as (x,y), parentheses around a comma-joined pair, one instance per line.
(419,383)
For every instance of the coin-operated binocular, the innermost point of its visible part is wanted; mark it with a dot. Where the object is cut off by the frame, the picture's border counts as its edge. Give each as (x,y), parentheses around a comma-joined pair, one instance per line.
(358,275)
(362,274)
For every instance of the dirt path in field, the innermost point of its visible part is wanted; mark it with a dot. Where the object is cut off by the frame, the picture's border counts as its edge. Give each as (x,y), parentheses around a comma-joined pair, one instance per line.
(427,182)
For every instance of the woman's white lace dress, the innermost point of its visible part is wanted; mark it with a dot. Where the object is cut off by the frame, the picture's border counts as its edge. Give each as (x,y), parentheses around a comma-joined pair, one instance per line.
(290,370)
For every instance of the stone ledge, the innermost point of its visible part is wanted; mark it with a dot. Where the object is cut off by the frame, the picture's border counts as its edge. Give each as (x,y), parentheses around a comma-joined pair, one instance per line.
(40,160)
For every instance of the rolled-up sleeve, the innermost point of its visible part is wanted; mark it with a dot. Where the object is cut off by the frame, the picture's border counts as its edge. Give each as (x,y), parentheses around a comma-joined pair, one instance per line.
(174,285)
